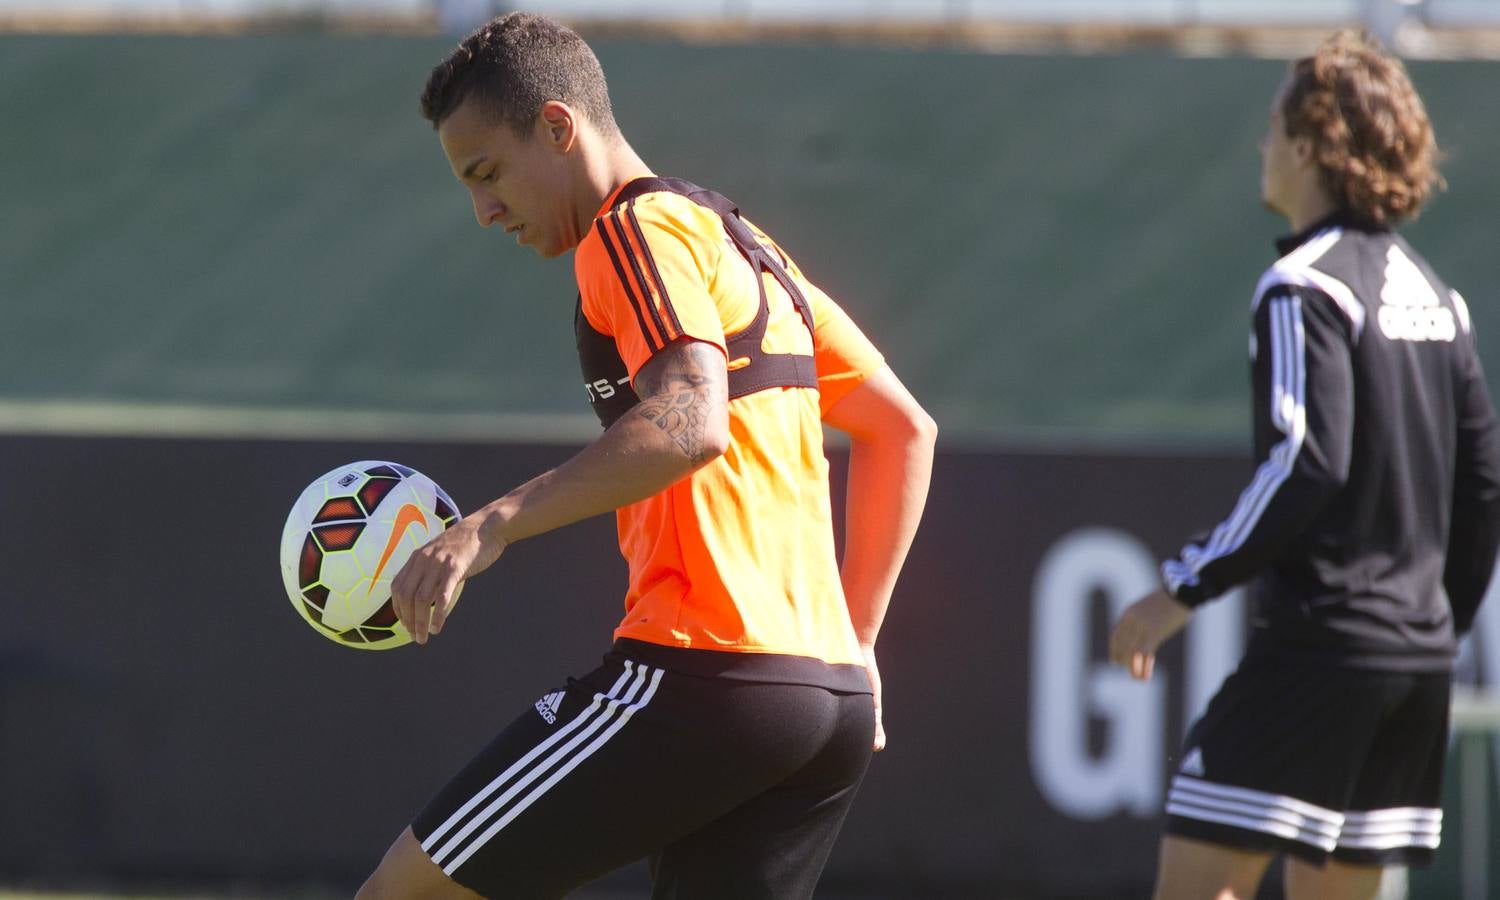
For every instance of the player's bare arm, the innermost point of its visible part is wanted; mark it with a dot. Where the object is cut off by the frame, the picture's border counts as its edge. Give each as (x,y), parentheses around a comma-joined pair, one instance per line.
(890,465)
(680,425)
(680,396)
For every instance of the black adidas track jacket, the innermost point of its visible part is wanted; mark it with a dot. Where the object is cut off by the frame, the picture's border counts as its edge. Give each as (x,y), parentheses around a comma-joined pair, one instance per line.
(1371,525)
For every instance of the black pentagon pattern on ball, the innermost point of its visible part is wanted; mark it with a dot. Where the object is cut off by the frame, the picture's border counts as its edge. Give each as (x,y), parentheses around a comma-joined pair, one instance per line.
(405,472)
(384,617)
(313,613)
(376,488)
(365,635)
(309,563)
(314,600)
(384,471)
(442,505)
(317,595)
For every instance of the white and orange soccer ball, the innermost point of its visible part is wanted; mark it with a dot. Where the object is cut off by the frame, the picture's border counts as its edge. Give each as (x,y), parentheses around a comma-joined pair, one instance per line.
(347,536)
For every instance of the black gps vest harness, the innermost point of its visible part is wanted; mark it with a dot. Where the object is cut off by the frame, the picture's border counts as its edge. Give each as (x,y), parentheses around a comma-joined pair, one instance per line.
(604,372)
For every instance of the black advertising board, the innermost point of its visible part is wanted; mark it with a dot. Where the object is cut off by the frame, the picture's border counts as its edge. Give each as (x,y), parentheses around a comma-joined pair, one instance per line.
(171,717)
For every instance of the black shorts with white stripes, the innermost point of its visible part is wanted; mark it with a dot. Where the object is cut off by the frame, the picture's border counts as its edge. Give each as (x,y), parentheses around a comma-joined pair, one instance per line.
(1299,756)
(734,789)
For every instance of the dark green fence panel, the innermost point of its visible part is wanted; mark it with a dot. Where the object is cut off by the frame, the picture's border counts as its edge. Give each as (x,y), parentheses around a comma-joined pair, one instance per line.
(1046,246)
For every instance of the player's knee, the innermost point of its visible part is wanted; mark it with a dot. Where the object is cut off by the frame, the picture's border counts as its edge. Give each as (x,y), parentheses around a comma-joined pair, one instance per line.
(1194,870)
(1335,880)
(385,883)
(1206,886)
(407,873)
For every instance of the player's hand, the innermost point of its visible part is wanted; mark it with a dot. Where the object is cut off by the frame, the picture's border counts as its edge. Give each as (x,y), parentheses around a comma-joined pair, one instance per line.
(1144,626)
(422,593)
(874,673)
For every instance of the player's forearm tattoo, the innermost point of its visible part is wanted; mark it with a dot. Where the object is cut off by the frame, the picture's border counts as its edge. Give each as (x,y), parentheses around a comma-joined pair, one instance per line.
(678,398)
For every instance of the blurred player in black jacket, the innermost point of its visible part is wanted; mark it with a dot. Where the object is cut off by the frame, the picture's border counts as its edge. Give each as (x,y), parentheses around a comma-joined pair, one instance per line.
(1369,529)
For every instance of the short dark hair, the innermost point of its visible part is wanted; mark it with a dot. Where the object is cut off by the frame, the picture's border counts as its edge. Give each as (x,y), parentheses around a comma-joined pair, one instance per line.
(1372,141)
(515,63)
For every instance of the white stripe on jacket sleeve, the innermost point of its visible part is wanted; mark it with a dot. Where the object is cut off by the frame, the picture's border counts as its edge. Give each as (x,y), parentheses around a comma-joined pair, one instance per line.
(1289,414)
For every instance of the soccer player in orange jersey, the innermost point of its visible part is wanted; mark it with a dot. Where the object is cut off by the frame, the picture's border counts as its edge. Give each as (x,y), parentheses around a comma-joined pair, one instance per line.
(733,717)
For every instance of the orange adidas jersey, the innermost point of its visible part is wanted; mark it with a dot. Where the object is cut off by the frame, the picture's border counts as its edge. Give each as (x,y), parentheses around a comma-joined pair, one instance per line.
(739,556)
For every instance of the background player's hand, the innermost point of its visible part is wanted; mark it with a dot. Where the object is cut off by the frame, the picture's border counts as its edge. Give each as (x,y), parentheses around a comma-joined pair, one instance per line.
(422,592)
(1144,626)
(874,672)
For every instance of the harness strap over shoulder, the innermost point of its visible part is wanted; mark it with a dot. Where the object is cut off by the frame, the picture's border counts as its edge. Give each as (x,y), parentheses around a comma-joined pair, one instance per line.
(762,370)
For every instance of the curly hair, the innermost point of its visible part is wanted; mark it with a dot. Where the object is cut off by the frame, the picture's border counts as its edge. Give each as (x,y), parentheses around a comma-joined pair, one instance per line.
(514,64)
(1371,138)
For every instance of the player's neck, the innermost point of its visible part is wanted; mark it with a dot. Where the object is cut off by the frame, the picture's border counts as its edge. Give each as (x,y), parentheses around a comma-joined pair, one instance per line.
(1309,207)
(617,164)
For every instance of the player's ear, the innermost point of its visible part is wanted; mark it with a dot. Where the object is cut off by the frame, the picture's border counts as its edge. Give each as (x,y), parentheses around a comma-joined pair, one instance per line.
(1302,150)
(557,124)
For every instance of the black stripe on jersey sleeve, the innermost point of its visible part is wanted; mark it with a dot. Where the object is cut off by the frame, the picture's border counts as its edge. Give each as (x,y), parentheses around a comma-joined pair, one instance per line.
(635,265)
(661,284)
(614,258)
